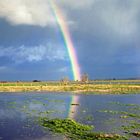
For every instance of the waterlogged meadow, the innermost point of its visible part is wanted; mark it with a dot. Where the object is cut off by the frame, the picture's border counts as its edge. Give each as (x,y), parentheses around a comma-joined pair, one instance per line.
(39,116)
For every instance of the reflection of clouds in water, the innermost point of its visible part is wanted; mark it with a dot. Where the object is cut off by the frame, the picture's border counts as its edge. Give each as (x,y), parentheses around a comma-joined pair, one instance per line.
(50,109)
(57,106)
(45,138)
(11,114)
(4,113)
(50,106)
(38,107)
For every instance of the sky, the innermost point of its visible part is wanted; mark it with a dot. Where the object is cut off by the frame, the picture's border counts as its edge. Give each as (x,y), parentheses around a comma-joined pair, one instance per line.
(105,34)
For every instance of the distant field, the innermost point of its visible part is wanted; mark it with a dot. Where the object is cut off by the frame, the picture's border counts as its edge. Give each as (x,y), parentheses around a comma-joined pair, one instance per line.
(134,82)
(96,86)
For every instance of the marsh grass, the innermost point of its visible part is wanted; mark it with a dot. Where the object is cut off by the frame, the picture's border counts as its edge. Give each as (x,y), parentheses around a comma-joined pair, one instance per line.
(129,119)
(76,131)
(77,88)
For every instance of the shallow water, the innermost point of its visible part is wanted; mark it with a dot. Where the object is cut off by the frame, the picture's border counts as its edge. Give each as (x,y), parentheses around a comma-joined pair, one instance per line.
(19,113)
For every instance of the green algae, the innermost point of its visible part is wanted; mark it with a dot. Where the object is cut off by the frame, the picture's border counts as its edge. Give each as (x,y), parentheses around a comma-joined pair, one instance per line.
(76,131)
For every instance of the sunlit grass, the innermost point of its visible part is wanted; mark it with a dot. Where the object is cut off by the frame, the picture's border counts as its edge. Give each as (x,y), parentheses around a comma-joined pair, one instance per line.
(104,87)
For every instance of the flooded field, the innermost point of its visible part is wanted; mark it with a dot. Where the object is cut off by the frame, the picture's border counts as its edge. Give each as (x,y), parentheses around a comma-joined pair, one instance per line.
(20,114)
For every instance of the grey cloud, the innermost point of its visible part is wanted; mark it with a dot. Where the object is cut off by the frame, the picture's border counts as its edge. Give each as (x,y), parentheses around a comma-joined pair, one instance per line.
(76,4)
(30,12)
(35,12)
(104,18)
(34,53)
(119,17)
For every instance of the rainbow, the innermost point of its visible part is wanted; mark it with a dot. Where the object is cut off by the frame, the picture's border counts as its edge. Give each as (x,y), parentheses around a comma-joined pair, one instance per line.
(73,108)
(67,40)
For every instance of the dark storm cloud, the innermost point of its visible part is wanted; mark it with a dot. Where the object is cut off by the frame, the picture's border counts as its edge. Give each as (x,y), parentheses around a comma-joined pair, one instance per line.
(105,35)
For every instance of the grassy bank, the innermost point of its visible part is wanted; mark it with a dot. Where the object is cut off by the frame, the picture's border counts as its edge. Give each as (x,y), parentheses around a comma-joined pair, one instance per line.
(102,87)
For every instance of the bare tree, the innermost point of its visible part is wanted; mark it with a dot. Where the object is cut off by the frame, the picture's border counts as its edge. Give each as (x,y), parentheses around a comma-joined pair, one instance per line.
(84,78)
(65,80)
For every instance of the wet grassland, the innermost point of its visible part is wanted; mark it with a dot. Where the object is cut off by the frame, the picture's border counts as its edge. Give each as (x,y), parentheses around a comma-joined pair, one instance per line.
(122,118)
(96,86)
(127,123)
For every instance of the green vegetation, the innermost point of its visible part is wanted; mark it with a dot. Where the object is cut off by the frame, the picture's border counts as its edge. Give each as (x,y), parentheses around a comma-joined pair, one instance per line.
(129,120)
(100,87)
(76,131)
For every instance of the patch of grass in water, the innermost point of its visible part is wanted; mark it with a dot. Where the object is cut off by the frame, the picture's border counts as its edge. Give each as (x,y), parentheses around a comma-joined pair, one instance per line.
(12,103)
(131,126)
(89,118)
(76,131)
(131,107)
(123,114)
(132,115)
(109,111)
(56,101)
(36,102)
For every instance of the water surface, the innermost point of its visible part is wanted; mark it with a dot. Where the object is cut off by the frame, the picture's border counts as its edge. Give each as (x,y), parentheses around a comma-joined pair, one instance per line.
(19,113)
